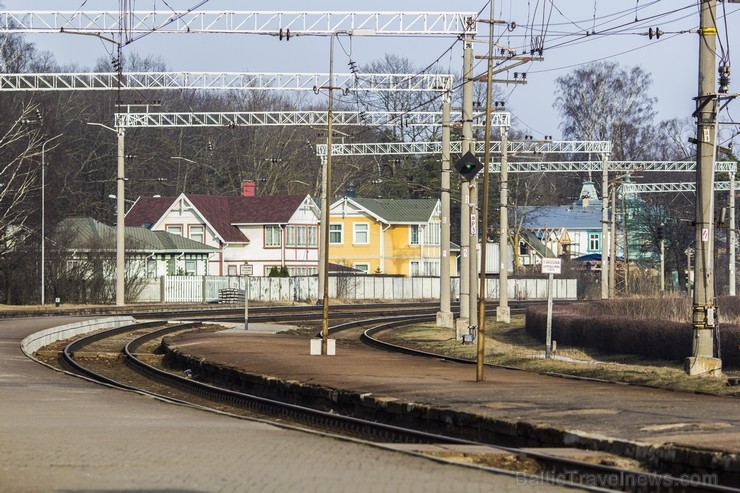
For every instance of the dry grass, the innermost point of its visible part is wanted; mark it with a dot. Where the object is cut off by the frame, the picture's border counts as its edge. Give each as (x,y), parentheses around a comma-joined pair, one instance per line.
(509,345)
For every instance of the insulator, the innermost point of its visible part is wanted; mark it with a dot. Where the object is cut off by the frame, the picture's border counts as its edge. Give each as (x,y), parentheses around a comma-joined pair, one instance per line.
(724,79)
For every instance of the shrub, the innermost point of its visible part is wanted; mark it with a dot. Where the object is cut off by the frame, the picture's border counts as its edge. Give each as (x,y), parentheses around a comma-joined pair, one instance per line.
(608,327)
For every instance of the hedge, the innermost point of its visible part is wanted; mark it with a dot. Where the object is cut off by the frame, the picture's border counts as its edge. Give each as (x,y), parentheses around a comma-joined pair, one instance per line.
(612,334)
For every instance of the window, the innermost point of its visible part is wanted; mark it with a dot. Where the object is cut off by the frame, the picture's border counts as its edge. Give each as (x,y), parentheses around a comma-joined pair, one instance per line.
(362,234)
(432,234)
(302,271)
(335,234)
(424,268)
(232,270)
(414,234)
(175,230)
(300,236)
(191,267)
(594,241)
(197,233)
(363,267)
(151,268)
(272,236)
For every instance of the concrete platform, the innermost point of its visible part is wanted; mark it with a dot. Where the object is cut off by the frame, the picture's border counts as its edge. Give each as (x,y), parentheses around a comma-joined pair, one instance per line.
(65,434)
(696,433)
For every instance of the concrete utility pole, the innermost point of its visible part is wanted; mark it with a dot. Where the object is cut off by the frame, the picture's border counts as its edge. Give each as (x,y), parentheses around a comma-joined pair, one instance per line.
(444,315)
(120,225)
(604,227)
(731,233)
(463,322)
(503,312)
(702,360)
(613,242)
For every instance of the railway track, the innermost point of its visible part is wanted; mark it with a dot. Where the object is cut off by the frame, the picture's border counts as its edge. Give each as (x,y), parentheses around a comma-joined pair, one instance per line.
(118,357)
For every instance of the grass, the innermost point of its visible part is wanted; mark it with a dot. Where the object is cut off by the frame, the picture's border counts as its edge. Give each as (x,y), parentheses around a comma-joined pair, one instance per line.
(509,345)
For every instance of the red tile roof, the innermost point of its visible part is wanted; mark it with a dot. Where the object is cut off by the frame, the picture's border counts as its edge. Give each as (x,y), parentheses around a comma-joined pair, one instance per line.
(224,213)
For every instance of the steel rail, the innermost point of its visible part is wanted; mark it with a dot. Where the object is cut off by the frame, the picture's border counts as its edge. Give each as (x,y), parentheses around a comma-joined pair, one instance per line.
(369,429)
(587,472)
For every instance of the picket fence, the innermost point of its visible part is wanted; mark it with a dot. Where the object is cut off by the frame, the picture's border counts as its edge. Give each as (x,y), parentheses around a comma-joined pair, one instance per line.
(208,289)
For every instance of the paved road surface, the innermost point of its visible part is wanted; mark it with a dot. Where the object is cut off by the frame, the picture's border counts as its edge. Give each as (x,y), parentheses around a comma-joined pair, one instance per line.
(60,433)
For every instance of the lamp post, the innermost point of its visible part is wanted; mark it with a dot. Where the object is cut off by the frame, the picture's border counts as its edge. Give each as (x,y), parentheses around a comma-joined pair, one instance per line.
(190,161)
(326,186)
(43,217)
(120,207)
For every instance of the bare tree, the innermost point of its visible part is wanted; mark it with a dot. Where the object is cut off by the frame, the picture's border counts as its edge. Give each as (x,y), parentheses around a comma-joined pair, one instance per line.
(20,148)
(603,101)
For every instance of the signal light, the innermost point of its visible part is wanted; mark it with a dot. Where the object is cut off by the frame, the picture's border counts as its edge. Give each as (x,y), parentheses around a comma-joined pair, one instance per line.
(468,166)
(660,234)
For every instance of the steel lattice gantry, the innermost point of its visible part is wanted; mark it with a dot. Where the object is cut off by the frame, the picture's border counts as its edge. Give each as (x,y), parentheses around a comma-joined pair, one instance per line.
(271,118)
(498,119)
(300,23)
(629,188)
(224,81)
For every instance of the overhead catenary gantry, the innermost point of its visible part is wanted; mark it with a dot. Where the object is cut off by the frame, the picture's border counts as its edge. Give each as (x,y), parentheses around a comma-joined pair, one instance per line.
(124,27)
(281,24)
(498,119)
(250,118)
(224,81)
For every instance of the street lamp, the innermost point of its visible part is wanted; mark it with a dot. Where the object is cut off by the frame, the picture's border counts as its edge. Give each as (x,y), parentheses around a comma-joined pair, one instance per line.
(120,229)
(43,217)
(326,178)
(190,161)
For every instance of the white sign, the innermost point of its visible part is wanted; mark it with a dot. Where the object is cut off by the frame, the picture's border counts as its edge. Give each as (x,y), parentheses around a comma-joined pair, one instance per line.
(246,269)
(551,265)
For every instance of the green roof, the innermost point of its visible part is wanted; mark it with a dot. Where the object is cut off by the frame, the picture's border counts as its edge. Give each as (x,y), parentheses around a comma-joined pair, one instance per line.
(84,232)
(399,210)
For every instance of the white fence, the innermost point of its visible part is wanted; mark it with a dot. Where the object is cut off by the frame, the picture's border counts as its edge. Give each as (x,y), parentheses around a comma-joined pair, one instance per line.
(205,289)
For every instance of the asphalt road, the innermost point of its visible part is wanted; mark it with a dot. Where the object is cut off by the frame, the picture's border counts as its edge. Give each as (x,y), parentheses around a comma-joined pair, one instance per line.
(61,433)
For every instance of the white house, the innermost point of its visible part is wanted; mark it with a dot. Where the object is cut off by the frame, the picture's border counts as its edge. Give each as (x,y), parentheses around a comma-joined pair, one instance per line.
(569,230)
(264,231)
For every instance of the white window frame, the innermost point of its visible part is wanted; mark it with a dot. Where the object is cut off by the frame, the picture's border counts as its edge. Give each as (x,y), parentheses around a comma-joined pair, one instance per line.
(270,232)
(414,234)
(594,239)
(356,231)
(423,268)
(191,267)
(363,266)
(336,229)
(432,233)
(197,231)
(175,230)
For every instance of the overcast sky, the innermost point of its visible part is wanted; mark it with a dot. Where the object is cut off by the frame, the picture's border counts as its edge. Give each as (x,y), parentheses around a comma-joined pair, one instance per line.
(672,60)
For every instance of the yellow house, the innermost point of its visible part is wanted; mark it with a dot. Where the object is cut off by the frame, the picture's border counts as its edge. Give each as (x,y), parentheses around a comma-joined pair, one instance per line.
(387,236)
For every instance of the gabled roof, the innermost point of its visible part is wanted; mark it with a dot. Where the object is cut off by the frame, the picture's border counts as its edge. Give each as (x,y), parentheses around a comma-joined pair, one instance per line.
(532,240)
(85,232)
(222,213)
(397,211)
(566,216)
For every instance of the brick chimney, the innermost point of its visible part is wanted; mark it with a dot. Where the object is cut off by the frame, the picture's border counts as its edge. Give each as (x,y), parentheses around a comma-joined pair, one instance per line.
(248,187)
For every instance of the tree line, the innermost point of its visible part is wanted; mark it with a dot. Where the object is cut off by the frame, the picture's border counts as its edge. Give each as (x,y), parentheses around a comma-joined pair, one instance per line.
(602,101)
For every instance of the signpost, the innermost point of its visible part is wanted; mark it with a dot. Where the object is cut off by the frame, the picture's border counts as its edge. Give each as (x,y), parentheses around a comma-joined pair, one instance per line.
(550,266)
(246,270)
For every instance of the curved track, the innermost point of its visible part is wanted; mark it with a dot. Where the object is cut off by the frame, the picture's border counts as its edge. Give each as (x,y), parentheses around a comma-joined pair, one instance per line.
(331,421)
